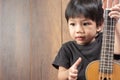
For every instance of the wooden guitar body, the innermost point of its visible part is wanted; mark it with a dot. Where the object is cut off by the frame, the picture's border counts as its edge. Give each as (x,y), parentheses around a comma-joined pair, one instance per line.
(93,73)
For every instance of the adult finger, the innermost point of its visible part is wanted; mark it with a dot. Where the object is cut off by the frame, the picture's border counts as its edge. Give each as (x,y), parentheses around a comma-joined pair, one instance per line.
(107,3)
(115,2)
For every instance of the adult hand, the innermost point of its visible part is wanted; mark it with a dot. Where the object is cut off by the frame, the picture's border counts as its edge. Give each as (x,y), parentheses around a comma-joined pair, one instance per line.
(114,6)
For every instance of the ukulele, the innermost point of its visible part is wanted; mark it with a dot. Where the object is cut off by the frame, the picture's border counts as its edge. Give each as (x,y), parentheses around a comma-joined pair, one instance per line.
(105,68)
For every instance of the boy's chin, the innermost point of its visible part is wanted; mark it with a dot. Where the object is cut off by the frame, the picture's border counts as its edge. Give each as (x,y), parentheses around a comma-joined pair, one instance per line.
(80,43)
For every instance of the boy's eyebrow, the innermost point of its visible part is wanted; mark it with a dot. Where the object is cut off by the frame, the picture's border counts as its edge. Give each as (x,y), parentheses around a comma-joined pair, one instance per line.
(86,19)
(82,19)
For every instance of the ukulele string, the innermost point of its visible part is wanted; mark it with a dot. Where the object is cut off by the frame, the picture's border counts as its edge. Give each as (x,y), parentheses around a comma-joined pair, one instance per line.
(111,29)
(106,71)
(108,38)
(102,65)
(105,68)
(101,75)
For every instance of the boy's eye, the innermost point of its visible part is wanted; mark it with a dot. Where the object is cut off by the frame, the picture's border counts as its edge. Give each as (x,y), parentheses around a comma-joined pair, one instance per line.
(86,23)
(72,24)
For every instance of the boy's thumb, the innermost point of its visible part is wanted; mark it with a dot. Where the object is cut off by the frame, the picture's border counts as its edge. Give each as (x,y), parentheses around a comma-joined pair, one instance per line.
(76,64)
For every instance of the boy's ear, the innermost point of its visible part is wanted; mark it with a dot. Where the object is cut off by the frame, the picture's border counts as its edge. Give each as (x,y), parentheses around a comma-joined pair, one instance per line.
(100,28)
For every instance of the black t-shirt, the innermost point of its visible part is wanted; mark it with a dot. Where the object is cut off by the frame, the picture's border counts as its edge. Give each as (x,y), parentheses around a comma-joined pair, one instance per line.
(71,51)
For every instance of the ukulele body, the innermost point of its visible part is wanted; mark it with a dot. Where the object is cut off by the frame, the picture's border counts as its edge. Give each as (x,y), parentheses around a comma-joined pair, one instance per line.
(92,72)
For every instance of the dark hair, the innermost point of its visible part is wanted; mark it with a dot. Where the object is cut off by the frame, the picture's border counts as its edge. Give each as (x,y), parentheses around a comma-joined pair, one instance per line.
(91,9)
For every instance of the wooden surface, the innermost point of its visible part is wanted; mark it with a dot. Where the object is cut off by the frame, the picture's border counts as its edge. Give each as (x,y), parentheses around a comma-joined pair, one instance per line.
(14,40)
(65,31)
(46,38)
(31,33)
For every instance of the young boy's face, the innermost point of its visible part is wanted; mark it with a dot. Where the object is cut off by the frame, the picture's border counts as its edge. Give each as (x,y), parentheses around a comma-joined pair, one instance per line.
(83,30)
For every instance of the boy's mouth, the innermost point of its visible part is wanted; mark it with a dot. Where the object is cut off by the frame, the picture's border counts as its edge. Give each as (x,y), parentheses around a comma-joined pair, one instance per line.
(80,38)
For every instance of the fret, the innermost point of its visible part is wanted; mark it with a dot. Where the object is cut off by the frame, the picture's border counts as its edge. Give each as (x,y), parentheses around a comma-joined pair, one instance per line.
(110,41)
(108,47)
(108,21)
(109,71)
(107,67)
(106,56)
(107,31)
(104,62)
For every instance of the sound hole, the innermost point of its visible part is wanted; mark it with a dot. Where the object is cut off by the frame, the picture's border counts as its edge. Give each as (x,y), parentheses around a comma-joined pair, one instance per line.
(104,78)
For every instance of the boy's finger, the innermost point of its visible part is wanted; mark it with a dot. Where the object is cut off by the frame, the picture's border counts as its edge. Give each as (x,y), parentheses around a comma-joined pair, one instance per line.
(76,64)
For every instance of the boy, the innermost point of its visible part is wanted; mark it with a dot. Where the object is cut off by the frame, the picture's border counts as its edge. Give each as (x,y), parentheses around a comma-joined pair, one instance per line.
(85,22)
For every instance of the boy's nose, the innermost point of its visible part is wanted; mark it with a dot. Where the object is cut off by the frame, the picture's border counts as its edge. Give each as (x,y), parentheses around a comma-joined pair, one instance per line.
(79,29)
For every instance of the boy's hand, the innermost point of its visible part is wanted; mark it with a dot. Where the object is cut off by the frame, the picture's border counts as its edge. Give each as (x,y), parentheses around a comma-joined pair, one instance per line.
(73,71)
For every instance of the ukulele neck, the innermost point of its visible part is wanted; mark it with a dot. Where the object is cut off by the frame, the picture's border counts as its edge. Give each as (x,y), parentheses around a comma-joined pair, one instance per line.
(106,61)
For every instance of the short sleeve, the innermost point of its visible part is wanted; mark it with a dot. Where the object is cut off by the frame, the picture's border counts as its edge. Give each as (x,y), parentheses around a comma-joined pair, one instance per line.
(62,58)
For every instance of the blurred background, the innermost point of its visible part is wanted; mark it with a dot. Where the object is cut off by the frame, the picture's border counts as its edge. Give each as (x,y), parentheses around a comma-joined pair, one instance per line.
(31,33)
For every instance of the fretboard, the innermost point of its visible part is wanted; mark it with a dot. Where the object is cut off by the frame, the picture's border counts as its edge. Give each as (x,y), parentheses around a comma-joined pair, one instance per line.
(106,60)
